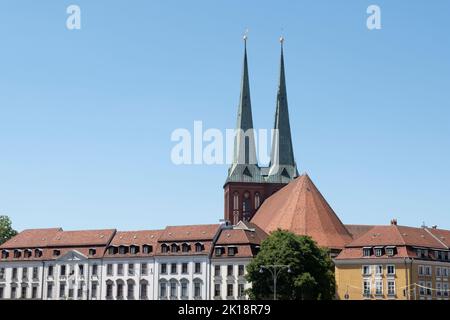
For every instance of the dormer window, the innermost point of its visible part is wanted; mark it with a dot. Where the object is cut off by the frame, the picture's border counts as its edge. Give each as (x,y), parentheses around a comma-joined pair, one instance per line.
(122,250)
(232,251)
(185,247)
(198,247)
(27,253)
(17,254)
(5,254)
(174,248)
(219,251)
(146,249)
(390,251)
(111,250)
(367,252)
(38,253)
(134,249)
(378,252)
(164,248)
(92,252)
(56,253)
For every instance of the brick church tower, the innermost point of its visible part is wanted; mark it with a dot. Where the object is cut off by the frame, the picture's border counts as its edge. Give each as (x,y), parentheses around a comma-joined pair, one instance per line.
(247,184)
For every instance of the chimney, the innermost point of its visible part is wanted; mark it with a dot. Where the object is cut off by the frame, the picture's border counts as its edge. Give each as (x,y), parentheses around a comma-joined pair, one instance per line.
(393,222)
(434,227)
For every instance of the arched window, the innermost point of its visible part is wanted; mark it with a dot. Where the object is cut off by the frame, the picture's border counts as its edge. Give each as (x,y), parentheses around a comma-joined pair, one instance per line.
(236,201)
(246,206)
(130,287)
(109,289)
(174,248)
(143,290)
(164,248)
(197,289)
(185,247)
(119,291)
(184,294)
(257,200)
(198,247)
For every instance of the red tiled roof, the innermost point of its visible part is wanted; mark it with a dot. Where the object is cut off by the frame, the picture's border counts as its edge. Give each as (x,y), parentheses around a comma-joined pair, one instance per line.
(82,238)
(357,230)
(442,235)
(142,237)
(397,236)
(300,208)
(31,238)
(189,233)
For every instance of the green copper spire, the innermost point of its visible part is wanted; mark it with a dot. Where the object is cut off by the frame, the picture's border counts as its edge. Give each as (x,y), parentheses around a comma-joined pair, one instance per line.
(282,163)
(244,166)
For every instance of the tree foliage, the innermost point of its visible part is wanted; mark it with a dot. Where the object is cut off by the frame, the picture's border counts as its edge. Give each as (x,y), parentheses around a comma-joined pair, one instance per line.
(312,270)
(6,230)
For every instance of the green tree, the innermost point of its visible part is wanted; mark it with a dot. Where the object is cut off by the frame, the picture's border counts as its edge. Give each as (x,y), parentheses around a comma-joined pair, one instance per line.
(6,230)
(311,275)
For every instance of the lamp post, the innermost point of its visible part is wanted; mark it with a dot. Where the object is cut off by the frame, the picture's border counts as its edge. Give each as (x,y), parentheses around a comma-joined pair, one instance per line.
(274,270)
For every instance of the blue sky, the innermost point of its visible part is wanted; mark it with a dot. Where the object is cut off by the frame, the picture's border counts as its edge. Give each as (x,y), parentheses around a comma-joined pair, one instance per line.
(86,116)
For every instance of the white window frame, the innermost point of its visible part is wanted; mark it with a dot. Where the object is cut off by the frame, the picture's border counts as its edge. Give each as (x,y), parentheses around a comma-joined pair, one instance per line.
(393,268)
(389,292)
(368,268)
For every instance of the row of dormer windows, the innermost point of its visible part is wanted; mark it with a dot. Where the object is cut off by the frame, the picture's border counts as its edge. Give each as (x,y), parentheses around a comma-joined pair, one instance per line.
(379,251)
(184,247)
(18,253)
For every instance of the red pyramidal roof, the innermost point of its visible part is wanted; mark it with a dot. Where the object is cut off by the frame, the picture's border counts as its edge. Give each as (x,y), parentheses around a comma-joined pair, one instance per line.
(300,208)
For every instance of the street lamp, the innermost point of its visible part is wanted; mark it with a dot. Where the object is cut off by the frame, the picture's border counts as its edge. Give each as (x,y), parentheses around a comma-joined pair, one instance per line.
(275,270)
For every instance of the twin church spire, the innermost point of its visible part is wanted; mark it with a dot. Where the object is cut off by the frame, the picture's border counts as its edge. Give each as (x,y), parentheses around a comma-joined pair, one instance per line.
(244,168)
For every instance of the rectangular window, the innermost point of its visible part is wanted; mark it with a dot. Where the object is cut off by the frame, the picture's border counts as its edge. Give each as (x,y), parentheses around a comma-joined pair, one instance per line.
(366,288)
(445,292)
(366,270)
(391,287)
(162,290)
(2,292)
(378,252)
(445,272)
(131,269)
(379,270)
(24,293)
(217,270)
(429,287)
(232,251)
(241,290)
(94,290)
(50,271)
(109,269)
(219,251)
(120,269)
(70,295)
(378,287)
(390,270)
(49,291)
(422,288)
(35,273)
(13,292)
(2,273)
(438,289)
(62,290)
(184,268)
(24,273)
(198,267)
(14,274)
(217,290)
(241,270)
(428,271)
(163,268)
(230,290)
(230,270)
(62,270)
(34,291)
(367,252)
(173,290)
(144,269)
(120,291)
(173,268)
(81,270)
(143,291)
(80,291)
(438,271)
(421,271)
(94,270)
(109,291)
(184,293)
(197,287)
(390,252)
